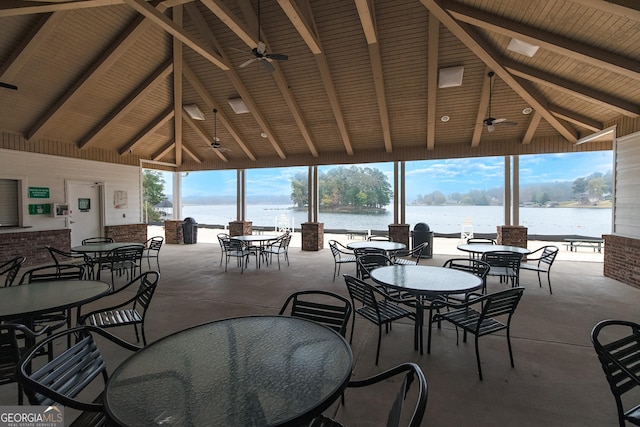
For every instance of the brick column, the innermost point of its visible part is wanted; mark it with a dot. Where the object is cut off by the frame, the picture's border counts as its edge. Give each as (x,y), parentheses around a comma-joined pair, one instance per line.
(240,228)
(622,259)
(312,236)
(512,235)
(173,232)
(399,233)
(127,232)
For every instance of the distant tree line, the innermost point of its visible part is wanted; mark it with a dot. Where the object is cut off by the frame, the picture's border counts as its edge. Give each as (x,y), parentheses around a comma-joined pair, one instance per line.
(590,189)
(349,188)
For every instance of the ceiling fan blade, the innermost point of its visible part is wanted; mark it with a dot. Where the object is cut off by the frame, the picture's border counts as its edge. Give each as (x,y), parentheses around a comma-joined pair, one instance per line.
(499,121)
(277,56)
(268,66)
(505,122)
(8,86)
(248,62)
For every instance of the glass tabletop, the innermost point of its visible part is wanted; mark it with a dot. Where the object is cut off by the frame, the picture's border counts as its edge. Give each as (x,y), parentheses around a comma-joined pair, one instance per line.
(255,238)
(481,248)
(42,297)
(385,246)
(256,370)
(103,247)
(423,279)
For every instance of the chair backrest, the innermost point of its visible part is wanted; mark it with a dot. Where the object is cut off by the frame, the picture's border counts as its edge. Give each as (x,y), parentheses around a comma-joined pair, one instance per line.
(619,357)
(480,240)
(500,303)
(91,240)
(52,272)
(154,243)
(548,255)
(362,292)
(474,266)
(327,308)
(378,239)
(69,373)
(371,261)
(148,284)
(505,259)
(131,253)
(367,250)
(10,269)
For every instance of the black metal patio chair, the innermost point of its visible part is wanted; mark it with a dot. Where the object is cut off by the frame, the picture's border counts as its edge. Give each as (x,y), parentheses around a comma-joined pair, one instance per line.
(541,261)
(324,307)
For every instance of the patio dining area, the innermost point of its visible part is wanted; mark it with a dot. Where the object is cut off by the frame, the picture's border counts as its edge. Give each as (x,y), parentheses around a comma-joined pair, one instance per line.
(557,379)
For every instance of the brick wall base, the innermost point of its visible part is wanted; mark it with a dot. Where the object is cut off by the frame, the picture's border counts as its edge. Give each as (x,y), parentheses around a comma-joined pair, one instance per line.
(513,235)
(399,233)
(173,232)
(31,244)
(622,259)
(136,233)
(240,228)
(312,236)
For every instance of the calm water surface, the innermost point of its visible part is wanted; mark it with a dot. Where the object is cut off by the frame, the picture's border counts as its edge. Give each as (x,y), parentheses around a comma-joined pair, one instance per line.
(441,219)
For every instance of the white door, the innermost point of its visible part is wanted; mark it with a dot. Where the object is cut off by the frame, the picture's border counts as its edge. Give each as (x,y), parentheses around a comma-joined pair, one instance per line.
(85,207)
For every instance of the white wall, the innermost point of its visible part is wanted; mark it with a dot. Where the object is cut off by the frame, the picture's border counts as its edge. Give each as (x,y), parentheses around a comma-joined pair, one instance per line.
(39,170)
(626,202)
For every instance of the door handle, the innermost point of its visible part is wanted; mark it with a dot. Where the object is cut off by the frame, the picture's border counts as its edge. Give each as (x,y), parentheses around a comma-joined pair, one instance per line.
(72,222)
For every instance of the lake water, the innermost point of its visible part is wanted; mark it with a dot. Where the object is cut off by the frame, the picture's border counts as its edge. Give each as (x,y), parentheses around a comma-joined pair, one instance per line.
(591,222)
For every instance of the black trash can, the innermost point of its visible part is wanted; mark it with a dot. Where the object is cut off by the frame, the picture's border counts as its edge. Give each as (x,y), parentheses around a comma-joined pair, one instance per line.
(189,231)
(421,234)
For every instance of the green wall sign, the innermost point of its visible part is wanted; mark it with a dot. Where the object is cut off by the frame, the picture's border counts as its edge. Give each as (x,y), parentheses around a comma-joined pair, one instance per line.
(40,209)
(38,192)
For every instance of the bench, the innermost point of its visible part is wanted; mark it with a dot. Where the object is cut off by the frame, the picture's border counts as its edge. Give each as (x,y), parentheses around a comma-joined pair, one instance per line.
(574,244)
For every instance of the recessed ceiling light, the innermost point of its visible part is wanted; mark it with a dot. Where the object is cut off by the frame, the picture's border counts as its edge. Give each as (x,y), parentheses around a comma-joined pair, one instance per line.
(522,48)
(264,135)
(450,77)
(238,105)
(445,118)
(527,110)
(194,111)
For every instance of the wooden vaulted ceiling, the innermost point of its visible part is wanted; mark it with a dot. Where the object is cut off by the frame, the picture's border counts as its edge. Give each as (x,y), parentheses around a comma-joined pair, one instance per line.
(107,79)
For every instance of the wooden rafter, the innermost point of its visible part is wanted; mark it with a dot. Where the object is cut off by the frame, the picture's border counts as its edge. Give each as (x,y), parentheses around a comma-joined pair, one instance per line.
(553,42)
(625,8)
(576,119)
(164,151)
(483,106)
(190,153)
(151,128)
(432,79)
(534,121)
(492,59)
(204,136)
(127,105)
(367,19)
(306,30)
(177,85)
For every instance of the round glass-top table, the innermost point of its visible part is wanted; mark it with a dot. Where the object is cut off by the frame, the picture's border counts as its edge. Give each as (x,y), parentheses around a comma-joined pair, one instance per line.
(385,246)
(480,248)
(103,247)
(256,370)
(30,300)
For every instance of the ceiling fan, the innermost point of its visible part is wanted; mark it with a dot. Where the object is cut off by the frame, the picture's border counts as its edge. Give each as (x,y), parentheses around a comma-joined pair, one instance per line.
(259,52)
(8,86)
(491,122)
(215,143)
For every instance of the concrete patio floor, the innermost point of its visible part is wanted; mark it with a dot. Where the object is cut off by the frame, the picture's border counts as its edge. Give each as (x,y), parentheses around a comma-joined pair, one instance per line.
(557,379)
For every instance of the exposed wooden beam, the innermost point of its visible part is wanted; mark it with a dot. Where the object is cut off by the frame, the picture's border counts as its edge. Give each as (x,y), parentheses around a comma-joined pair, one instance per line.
(367,20)
(626,8)
(304,25)
(127,105)
(177,84)
(576,119)
(585,93)
(305,28)
(230,20)
(176,31)
(565,46)
(190,153)
(29,45)
(164,151)
(481,49)
(150,129)
(534,121)
(483,106)
(21,7)
(432,79)
(204,136)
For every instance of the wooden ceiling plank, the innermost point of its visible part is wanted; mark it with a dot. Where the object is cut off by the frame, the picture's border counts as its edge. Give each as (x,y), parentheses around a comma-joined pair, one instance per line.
(211,104)
(17,8)
(164,151)
(82,85)
(176,31)
(177,84)
(583,92)
(190,153)
(531,128)
(204,136)
(553,42)
(128,104)
(483,106)
(432,79)
(30,45)
(626,8)
(151,128)
(305,28)
(492,60)
(576,119)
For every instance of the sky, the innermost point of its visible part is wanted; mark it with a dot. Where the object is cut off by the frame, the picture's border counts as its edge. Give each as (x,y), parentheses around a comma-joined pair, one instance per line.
(422,177)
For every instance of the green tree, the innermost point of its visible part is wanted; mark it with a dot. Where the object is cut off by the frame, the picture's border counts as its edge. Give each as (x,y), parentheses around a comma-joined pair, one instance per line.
(152,193)
(579,186)
(299,191)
